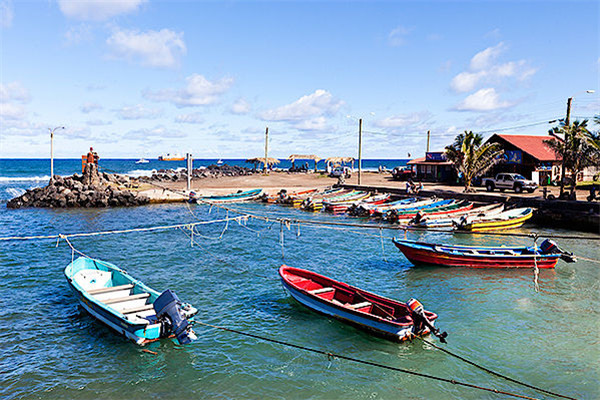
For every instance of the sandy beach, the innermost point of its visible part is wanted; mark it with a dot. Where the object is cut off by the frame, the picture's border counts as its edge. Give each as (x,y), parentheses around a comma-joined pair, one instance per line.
(277,180)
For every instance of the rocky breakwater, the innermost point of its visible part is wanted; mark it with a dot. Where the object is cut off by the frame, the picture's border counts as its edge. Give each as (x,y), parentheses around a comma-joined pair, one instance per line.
(92,189)
(212,171)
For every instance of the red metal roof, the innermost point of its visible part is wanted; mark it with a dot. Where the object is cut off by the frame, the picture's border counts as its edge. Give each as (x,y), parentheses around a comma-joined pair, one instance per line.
(421,161)
(532,145)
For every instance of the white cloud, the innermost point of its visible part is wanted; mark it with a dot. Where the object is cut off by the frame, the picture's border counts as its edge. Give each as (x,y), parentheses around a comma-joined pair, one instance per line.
(319,103)
(88,107)
(483,100)
(159,131)
(12,111)
(139,112)
(241,106)
(6,13)
(152,48)
(97,10)
(14,91)
(403,120)
(199,91)
(98,122)
(484,69)
(78,34)
(314,124)
(484,58)
(192,118)
(397,37)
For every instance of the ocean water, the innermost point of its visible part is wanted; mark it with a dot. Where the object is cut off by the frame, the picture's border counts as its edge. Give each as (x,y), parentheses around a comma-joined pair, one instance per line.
(18,175)
(51,349)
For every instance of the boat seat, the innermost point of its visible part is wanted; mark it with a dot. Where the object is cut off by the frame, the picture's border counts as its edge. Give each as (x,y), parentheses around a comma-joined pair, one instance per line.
(110,289)
(322,290)
(127,298)
(359,305)
(145,307)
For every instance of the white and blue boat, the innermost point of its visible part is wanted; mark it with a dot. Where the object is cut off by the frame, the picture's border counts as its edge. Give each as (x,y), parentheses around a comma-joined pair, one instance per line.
(128,306)
(238,197)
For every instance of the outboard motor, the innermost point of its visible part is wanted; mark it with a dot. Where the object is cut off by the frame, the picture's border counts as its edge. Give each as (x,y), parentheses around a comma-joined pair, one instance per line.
(167,311)
(550,247)
(418,313)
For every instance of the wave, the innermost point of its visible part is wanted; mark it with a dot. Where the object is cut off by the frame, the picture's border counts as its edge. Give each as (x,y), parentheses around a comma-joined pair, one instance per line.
(24,178)
(136,173)
(13,192)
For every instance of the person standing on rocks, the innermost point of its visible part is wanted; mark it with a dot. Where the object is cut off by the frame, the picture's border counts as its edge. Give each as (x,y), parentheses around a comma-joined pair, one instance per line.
(92,156)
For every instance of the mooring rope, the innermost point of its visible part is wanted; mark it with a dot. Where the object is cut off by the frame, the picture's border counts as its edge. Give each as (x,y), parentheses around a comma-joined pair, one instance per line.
(370,363)
(489,371)
(99,233)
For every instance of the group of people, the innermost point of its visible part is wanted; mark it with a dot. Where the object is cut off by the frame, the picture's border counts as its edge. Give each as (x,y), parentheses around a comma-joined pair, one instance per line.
(412,187)
(92,157)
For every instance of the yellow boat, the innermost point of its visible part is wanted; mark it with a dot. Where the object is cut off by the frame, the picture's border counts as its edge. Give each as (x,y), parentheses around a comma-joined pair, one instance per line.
(510,219)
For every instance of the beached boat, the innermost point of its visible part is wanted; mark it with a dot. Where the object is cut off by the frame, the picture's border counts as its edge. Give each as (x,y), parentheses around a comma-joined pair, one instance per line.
(544,256)
(342,203)
(365,209)
(382,316)
(127,305)
(297,199)
(285,198)
(171,157)
(449,221)
(238,197)
(510,219)
(450,208)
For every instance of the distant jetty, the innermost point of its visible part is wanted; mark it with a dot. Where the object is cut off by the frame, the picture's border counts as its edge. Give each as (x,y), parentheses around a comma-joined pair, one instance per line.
(91,189)
(212,171)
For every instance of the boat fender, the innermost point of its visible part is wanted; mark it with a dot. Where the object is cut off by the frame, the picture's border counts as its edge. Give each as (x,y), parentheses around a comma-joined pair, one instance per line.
(167,307)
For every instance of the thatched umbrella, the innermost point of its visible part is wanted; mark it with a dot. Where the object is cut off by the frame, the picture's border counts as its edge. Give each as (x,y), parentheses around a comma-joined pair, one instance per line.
(295,157)
(340,160)
(261,160)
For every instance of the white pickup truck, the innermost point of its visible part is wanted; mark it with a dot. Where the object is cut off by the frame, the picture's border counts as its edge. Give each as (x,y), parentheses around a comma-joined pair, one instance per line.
(510,181)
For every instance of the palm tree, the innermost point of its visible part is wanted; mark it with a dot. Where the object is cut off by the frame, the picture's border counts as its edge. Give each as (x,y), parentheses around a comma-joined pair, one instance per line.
(471,158)
(578,149)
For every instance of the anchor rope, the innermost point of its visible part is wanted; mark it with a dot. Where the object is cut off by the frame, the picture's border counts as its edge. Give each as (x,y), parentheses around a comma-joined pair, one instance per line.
(331,355)
(489,371)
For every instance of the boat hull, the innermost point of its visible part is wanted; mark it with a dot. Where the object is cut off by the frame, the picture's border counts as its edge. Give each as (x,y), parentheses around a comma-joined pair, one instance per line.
(387,331)
(424,256)
(379,315)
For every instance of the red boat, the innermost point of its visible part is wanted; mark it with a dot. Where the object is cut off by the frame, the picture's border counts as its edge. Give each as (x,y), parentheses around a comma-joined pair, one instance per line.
(382,316)
(545,256)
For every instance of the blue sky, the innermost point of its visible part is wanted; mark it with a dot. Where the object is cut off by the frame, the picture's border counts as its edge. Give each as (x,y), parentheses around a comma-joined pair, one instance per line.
(139,78)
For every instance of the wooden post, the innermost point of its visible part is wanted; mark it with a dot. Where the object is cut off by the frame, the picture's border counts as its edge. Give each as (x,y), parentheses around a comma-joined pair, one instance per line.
(428,134)
(51,155)
(359,149)
(266,169)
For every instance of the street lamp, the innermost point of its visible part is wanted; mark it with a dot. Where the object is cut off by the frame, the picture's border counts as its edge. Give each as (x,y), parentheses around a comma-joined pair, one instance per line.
(570,100)
(52,150)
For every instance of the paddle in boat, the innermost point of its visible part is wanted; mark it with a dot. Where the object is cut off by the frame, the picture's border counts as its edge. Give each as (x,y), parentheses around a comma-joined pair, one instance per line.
(544,256)
(379,315)
(127,305)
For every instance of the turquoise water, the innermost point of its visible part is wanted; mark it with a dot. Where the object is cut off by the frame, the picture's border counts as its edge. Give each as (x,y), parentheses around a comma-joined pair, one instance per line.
(49,348)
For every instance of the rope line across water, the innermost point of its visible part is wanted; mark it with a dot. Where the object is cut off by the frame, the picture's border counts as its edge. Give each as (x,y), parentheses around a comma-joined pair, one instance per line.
(373,364)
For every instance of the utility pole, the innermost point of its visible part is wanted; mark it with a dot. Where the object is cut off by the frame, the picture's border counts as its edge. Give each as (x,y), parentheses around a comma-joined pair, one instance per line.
(568,119)
(428,134)
(52,150)
(189,171)
(359,149)
(266,170)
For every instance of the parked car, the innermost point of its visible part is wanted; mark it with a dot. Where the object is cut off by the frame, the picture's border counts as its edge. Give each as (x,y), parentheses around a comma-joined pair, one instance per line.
(402,173)
(340,171)
(510,181)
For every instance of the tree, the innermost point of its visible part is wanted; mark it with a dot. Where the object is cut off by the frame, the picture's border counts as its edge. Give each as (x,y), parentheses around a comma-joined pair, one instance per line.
(578,149)
(471,158)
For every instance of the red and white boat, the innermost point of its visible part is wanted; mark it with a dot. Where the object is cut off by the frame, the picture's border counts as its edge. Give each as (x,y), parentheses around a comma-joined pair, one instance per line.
(384,317)
(545,256)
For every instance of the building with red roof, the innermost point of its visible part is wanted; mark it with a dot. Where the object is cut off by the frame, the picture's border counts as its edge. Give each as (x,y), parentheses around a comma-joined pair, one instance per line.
(528,155)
